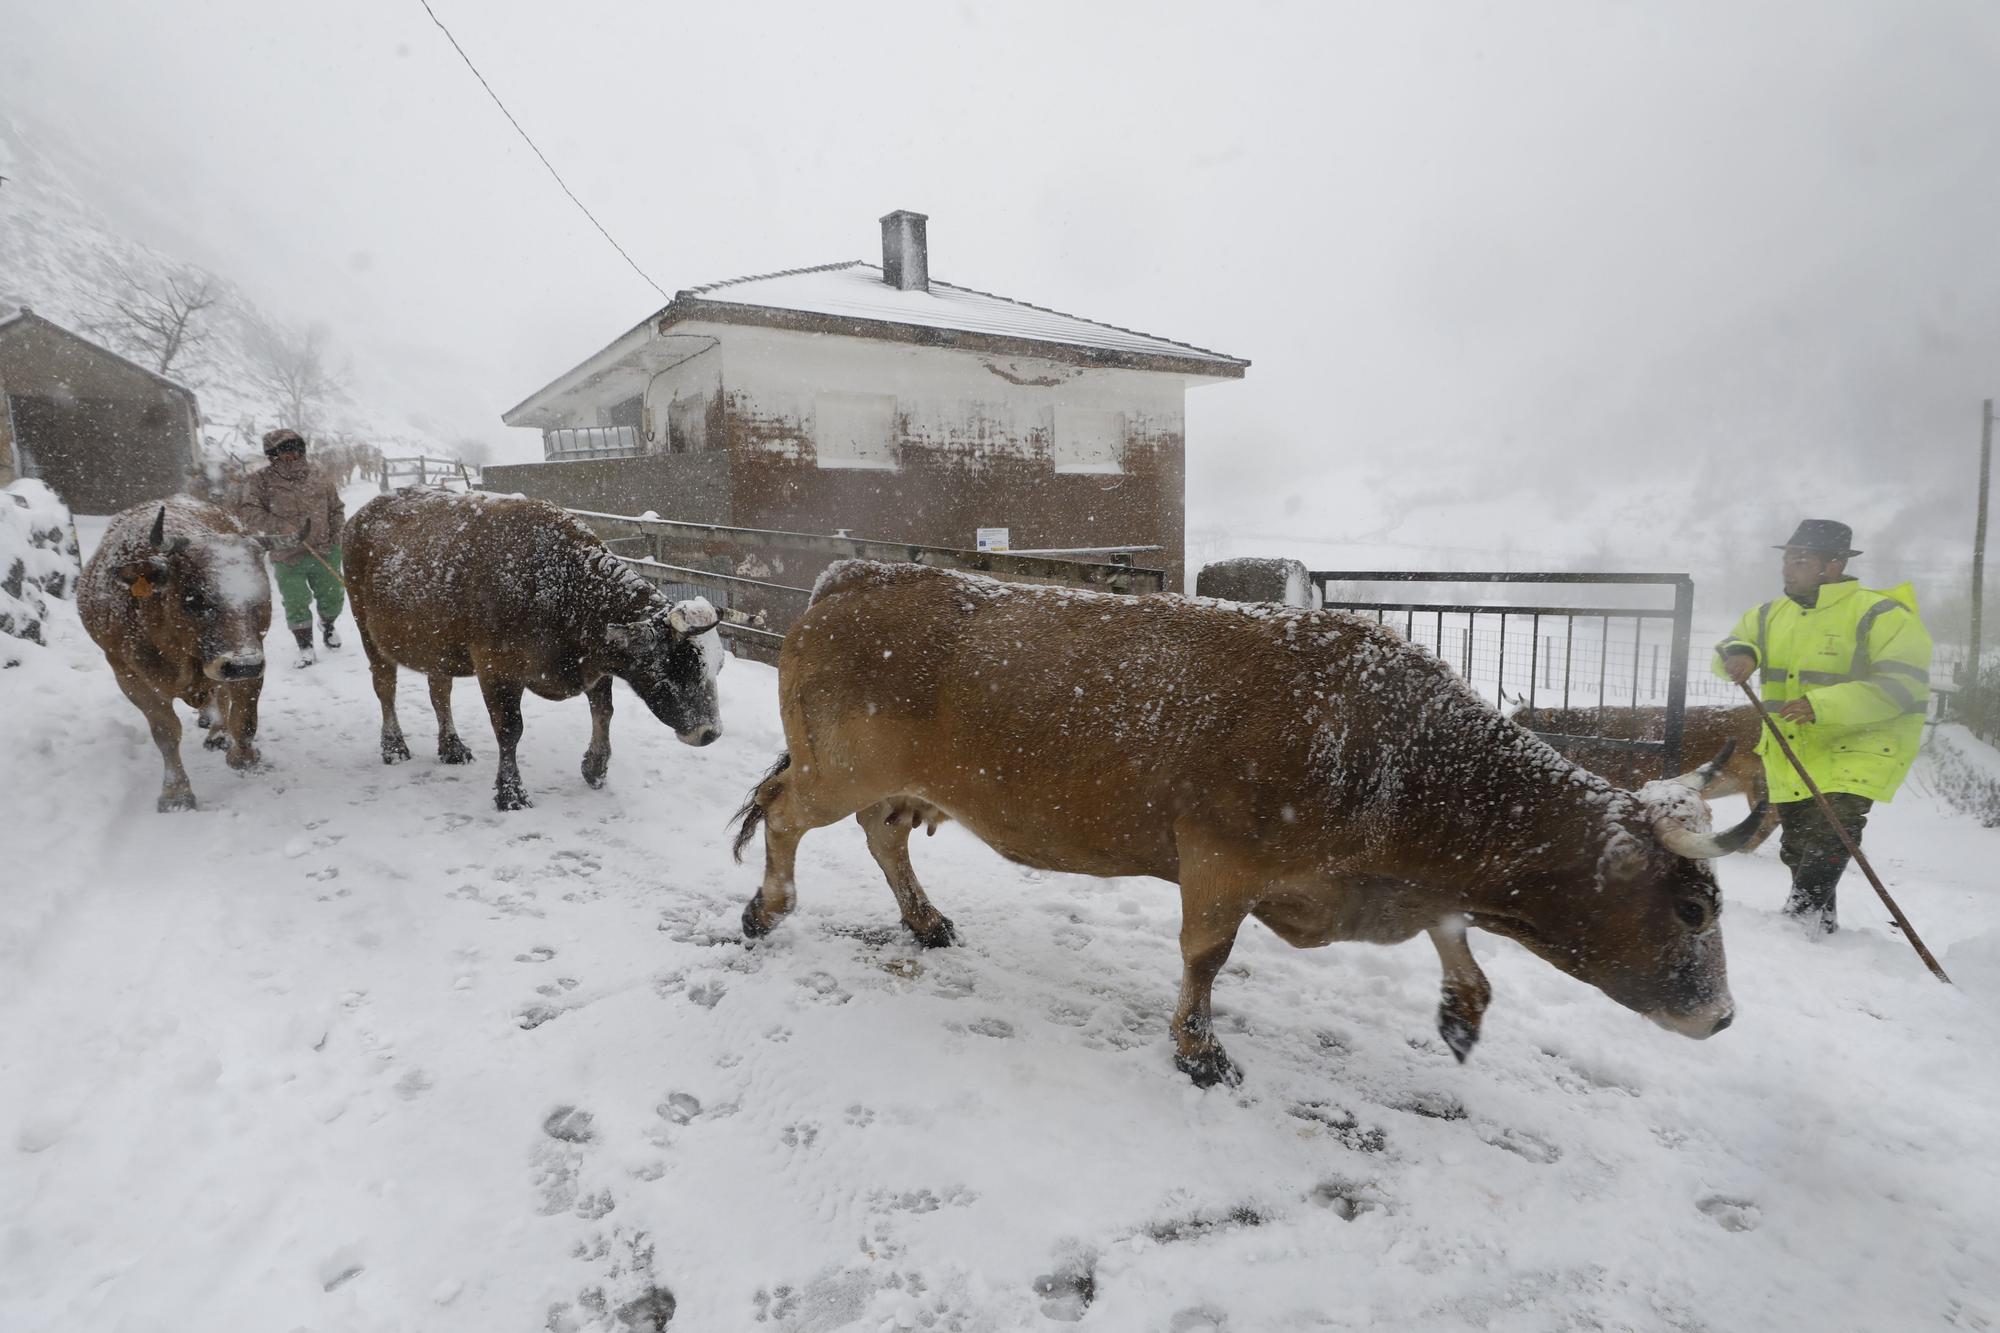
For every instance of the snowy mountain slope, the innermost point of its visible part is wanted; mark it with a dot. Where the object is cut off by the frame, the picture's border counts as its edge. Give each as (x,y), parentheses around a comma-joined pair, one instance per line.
(63,255)
(348,1049)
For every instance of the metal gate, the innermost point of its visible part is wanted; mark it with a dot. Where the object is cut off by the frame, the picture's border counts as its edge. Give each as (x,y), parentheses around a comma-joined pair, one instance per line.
(1620,690)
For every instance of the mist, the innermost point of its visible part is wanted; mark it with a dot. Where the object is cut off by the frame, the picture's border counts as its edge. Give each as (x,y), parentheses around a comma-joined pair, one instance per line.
(1560,284)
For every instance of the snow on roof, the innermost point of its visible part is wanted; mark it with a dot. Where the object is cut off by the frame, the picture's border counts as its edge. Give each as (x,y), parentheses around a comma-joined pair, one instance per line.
(856,290)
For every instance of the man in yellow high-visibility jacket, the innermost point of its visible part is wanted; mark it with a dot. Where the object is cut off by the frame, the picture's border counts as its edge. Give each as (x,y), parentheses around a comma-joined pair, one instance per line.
(1846,671)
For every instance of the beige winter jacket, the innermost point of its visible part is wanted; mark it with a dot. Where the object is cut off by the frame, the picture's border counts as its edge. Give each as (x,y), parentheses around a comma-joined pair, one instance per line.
(285,507)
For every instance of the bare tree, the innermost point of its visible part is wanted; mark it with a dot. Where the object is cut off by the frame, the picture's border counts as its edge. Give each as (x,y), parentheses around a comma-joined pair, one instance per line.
(161,321)
(289,366)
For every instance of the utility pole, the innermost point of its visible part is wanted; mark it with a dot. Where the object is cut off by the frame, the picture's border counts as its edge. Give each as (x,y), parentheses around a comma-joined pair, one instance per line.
(1979,536)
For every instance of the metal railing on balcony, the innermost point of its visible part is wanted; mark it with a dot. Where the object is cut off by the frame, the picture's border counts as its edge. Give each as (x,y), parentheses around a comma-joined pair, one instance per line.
(580,442)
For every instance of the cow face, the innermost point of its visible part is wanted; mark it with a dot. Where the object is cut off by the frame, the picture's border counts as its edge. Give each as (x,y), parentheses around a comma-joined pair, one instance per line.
(209,598)
(1642,921)
(671,661)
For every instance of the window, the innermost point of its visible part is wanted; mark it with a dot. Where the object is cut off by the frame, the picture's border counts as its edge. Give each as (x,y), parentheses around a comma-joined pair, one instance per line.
(855,430)
(1088,440)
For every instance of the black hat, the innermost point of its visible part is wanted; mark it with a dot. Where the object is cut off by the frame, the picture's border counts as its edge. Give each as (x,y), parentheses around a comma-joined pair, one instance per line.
(1824,536)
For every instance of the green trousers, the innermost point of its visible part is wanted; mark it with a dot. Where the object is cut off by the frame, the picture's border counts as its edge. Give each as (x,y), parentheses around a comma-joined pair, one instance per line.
(304,581)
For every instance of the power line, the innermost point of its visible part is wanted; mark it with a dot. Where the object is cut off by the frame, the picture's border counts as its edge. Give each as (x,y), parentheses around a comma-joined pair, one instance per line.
(538,152)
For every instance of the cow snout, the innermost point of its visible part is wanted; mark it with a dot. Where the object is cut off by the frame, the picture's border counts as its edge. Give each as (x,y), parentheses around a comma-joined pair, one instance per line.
(247,666)
(701,735)
(1700,1024)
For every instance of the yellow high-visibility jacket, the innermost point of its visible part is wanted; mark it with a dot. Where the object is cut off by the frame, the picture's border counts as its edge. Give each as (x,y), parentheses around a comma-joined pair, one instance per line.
(1864,659)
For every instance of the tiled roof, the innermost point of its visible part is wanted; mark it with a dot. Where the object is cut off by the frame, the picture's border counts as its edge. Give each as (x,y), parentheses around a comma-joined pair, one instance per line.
(856,290)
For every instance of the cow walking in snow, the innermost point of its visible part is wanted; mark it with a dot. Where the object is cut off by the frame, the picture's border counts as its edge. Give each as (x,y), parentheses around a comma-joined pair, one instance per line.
(1307,768)
(524,597)
(178,599)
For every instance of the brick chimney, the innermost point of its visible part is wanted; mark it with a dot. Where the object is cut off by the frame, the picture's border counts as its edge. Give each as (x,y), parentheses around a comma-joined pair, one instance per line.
(906,263)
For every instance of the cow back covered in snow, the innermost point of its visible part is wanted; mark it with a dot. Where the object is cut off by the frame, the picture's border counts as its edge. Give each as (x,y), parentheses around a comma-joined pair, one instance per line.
(1704,730)
(178,598)
(523,596)
(1307,768)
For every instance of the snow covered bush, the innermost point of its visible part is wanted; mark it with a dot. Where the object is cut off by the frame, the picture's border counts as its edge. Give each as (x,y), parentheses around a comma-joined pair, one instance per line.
(1966,772)
(38,560)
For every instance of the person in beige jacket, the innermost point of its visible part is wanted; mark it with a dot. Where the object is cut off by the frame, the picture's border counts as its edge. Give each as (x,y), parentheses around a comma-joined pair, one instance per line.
(297,506)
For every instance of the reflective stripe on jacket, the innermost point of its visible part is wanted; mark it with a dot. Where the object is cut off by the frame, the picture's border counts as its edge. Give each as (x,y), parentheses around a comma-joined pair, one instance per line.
(1864,658)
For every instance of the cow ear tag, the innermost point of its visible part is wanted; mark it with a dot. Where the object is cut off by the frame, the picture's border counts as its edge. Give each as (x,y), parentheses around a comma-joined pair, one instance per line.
(142,586)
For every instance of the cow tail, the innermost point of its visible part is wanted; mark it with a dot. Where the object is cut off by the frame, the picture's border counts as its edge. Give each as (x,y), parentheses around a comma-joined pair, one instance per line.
(751,814)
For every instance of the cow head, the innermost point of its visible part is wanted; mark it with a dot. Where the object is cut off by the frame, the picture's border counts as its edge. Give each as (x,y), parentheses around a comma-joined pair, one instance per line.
(1640,917)
(207,596)
(670,660)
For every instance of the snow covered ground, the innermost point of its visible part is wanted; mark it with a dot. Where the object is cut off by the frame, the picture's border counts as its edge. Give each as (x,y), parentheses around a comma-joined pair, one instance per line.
(348,1049)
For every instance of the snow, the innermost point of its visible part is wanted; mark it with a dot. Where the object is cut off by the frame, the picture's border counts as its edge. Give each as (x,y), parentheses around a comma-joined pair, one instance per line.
(349,1049)
(38,560)
(857,290)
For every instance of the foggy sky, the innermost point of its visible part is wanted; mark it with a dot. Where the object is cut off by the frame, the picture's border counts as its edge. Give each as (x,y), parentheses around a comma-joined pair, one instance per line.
(1550,279)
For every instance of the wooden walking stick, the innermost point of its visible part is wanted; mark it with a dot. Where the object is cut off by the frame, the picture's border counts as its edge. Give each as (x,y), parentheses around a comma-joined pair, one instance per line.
(1902,922)
(323,562)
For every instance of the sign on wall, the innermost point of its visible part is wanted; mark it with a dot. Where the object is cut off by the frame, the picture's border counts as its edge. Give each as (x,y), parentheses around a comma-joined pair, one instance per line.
(992,539)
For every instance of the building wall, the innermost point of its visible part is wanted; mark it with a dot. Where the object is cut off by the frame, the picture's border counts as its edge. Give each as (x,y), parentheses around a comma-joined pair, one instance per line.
(7,469)
(974,441)
(104,435)
(692,489)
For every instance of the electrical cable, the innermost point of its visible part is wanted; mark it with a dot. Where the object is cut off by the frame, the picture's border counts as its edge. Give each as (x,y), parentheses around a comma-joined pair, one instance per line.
(538,152)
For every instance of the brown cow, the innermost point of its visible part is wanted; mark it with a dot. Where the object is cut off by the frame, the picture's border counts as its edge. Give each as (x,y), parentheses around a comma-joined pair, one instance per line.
(178,599)
(1704,730)
(1308,768)
(523,596)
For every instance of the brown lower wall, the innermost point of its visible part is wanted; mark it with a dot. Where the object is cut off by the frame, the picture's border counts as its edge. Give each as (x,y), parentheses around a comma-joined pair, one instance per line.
(942,501)
(691,488)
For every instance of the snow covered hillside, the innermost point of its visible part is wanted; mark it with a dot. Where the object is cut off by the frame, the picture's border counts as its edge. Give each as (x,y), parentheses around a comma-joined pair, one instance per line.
(64,256)
(347,1049)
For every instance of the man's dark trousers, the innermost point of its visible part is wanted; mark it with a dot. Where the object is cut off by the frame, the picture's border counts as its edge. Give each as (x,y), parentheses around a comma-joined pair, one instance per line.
(1812,848)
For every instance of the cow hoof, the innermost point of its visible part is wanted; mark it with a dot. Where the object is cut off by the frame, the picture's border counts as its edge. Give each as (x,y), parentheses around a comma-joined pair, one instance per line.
(940,934)
(395,751)
(216,740)
(1458,1033)
(511,798)
(1209,1068)
(171,801)
(452,751)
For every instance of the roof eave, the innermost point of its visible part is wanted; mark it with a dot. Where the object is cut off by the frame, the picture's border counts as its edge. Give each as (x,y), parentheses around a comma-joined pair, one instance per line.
(687,308)
(580,372)
(25,316)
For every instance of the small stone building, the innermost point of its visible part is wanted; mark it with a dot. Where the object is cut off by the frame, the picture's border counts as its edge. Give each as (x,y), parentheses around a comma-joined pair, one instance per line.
(102,431)
(883,403)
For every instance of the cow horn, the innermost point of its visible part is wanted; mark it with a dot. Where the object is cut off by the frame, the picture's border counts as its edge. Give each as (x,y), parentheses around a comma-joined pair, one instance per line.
(1701,779)
(159,532)
(1681,840)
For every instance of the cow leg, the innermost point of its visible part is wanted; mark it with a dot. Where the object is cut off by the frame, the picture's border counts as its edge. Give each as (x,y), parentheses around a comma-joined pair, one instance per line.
(209,717)
(1211,914)
(239,723)
(785,803)
(451,750)
(888,825)
(176,792)
(382,672)
(1466,991)
(597,759)
(503,706)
